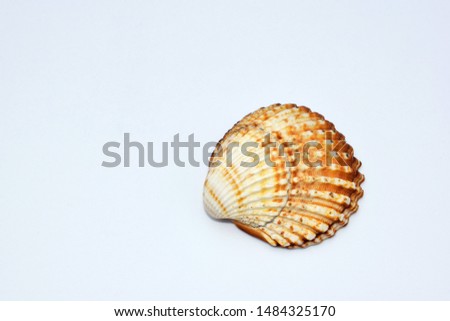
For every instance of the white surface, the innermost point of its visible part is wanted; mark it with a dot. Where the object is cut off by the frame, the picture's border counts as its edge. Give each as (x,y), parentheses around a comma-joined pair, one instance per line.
(76,75)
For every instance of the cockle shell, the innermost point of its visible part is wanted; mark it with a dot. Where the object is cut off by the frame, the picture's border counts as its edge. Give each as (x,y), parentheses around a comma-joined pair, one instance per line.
(294,196)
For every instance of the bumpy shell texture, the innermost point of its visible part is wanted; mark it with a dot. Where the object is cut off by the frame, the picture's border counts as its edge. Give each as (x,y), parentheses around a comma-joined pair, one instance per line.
(284,174)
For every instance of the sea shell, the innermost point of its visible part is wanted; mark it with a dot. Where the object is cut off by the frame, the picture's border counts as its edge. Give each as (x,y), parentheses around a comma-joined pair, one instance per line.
(293,196)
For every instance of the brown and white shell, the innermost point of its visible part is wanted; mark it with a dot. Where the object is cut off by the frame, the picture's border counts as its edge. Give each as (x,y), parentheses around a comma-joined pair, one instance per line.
(285,175)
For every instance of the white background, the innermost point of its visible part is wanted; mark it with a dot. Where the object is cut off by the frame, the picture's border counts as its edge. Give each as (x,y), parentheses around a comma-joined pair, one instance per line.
(75,75)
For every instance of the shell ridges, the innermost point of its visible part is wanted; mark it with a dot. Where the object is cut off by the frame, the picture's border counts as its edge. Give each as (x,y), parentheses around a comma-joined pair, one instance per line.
(303,183)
